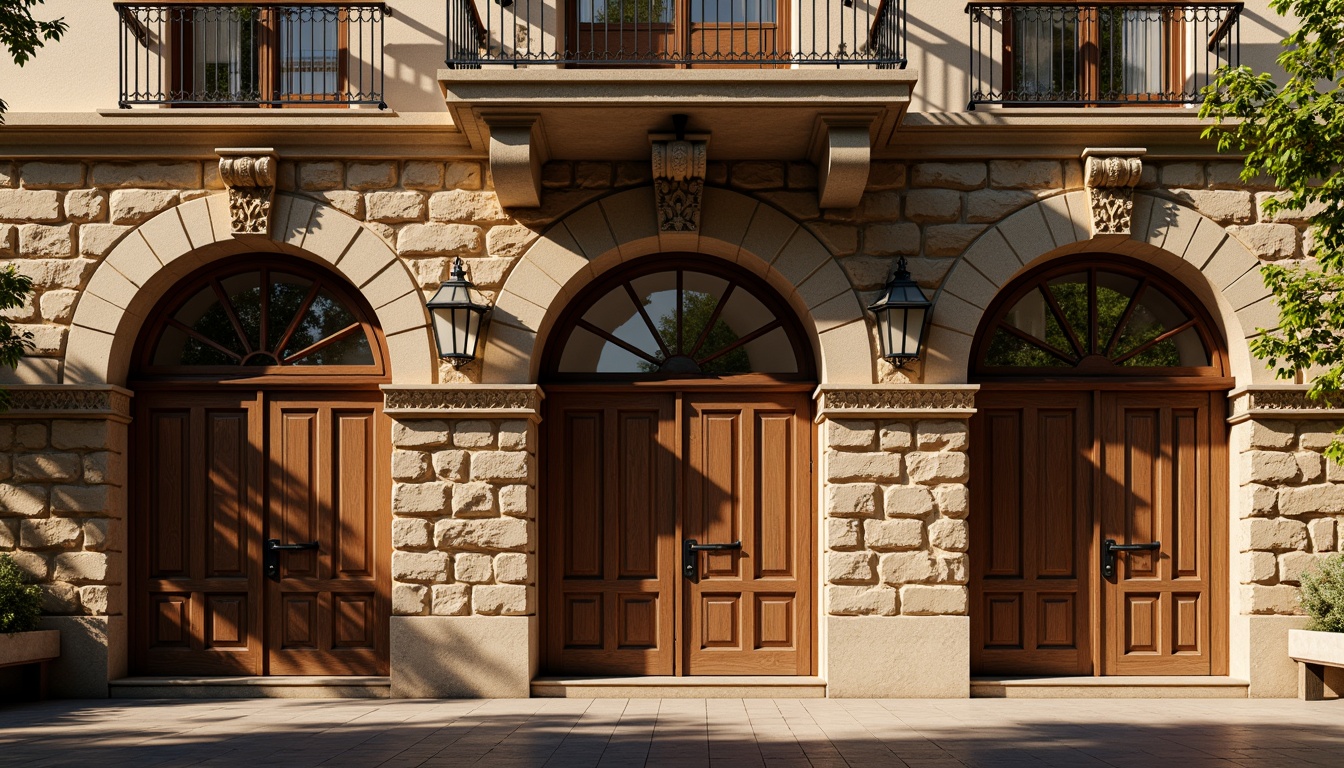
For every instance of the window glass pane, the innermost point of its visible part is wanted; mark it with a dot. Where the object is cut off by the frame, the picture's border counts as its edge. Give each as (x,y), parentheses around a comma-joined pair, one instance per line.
(616,314)
(177,348)
(1113,295)
(700,297)
(626,11)
(1045,53)
(224,46)
(1153,316)
(1131,50)
(287,293)
(244,292)
(1184,349)
(324,318)
(310,50)
(733,11)
(1032,315)
(1070,293)
(586,352)
(1009,351)
(205,315)
(659,294)
(351,350)
(771,353)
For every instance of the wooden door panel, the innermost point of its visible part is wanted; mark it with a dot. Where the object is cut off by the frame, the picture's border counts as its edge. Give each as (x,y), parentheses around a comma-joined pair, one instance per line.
(747,477)
(196,507)
(328,608)
(1161,470)
(610,534)
(1031,492)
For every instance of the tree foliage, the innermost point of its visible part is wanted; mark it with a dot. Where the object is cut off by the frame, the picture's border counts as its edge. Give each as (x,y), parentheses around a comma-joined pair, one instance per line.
(22,35)
(1293,134)
(20,603)
(1323,594)
(14,290)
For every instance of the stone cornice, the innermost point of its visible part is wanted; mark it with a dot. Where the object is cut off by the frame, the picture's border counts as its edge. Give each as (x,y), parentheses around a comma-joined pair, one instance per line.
(463,401)
(946,401)
(1281,401)
(68,402)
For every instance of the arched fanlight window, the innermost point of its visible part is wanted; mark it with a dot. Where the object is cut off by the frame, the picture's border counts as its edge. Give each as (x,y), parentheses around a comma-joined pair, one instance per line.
(682,317)
(261,317)
(1095,317)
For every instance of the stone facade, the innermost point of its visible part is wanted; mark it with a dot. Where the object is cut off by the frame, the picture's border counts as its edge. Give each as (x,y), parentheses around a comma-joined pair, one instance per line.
(58,219)
(62,504)
(1292,509)
(895,507)
(464,517)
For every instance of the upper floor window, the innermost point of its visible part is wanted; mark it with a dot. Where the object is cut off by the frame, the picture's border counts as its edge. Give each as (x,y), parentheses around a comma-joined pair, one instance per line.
(1117,54)
(253,54)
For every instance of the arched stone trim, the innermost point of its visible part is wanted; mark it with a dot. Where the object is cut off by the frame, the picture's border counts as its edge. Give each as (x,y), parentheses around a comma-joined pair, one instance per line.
(623,226)
(1193,248)
(152,258)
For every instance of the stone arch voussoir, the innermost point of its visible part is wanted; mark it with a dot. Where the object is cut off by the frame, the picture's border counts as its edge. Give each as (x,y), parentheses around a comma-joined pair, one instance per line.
(1194,248)
(623,226)
(152,258)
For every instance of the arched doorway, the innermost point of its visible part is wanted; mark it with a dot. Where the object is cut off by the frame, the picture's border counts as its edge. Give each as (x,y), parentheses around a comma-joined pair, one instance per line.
(260,484)
(677,418)
(1099,476)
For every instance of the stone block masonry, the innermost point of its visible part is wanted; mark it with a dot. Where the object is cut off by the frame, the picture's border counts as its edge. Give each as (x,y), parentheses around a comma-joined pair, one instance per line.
(1291,509)
(464,519)
(62,507)
(894,503)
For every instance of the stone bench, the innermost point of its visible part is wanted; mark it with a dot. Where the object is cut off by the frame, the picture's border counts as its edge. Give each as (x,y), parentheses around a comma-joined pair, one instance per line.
(1313,652)
(34,650)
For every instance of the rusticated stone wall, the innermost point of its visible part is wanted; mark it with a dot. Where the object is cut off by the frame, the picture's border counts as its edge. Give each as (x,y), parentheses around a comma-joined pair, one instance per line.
(59,218)
(463,519)
(1292,509)
(895,505)
(62,507)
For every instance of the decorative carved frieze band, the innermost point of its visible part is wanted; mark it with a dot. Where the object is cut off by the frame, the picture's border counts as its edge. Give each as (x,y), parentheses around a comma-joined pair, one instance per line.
(55,401)
(1110,176)
(463,401)
(1282,401)
(679,164)
(947,401)
(249,175)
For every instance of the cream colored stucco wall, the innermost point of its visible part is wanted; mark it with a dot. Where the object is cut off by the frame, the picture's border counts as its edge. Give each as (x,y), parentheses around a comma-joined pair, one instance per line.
(79,74)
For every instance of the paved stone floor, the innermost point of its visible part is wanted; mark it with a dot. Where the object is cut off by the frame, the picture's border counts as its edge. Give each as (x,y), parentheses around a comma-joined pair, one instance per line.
(674,733)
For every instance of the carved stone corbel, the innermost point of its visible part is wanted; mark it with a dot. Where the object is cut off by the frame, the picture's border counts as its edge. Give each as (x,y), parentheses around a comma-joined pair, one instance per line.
(1110,176)
(249,173)
(842,152)
(517,152)
(680,161)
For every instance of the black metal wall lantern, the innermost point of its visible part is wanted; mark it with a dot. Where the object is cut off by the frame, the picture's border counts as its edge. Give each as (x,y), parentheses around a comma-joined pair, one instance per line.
(902,314)
(457,317)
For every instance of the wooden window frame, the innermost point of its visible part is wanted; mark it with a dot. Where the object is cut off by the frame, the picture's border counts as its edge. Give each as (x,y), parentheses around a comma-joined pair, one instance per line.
(1149,279)
(145,372)
(181,49)
(785,318)
(1088,52)
(680,34)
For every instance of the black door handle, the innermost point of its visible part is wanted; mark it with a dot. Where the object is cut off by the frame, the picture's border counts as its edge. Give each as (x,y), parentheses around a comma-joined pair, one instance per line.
(273,550)
(690,564)
(1109,548)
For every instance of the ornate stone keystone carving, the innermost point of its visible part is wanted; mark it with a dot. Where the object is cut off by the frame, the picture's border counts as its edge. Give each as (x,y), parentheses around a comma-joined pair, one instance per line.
(249,173)
(679,164)
(1110,176)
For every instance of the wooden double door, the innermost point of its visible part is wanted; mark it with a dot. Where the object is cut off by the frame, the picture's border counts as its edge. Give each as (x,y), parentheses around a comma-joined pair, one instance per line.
(637,484)
(1099,533)
(260,533)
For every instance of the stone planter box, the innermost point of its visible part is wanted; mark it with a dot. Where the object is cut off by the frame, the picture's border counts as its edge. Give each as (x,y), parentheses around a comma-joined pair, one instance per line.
(1314,651)
(37,648)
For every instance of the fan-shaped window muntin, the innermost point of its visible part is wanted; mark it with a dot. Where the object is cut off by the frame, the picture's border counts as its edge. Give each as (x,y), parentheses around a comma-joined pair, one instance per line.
(677,318)
(1093,317)
(255,317)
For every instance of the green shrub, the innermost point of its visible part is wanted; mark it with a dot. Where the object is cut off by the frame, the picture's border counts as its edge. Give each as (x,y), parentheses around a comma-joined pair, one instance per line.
(20,603)
(1323,595)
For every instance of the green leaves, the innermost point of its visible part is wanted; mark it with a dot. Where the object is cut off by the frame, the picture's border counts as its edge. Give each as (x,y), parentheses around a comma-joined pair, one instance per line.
(20,603)
(1323,595)
(1293,134)
(22,35)
(14,289)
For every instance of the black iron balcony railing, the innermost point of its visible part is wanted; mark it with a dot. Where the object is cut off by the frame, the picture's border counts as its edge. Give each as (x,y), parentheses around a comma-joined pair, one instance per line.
(252,54)
(1099,54)
(617,33)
